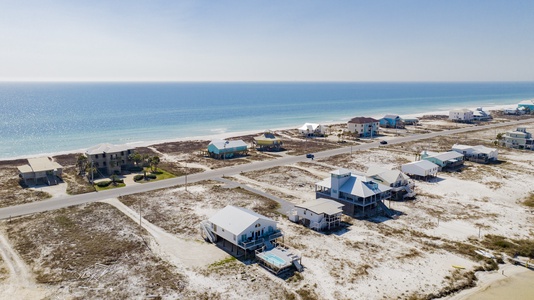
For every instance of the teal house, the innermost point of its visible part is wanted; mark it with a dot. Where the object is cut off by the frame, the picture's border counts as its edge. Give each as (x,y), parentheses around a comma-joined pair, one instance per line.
(222,149)
(444,160)
(527,105)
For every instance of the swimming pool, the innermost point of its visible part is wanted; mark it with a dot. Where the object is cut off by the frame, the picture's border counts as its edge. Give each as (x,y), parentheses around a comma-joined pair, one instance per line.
(273,259)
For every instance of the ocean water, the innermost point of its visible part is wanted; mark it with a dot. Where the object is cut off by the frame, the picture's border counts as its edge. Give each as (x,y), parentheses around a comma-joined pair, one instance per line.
(56,117)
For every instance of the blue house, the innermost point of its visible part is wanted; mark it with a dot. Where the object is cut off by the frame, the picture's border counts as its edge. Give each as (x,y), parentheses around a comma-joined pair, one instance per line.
(222,149)
(391,121)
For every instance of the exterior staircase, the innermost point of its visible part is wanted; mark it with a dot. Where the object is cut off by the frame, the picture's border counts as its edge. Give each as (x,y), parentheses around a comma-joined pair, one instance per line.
(409,192)
(386,210)
(298,266)
(206,229)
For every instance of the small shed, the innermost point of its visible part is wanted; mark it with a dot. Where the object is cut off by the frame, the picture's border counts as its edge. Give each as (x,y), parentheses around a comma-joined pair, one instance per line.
(222,149)
(420,169)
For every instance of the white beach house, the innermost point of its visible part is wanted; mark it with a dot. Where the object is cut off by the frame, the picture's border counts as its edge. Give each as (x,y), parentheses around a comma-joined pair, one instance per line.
(361,195)
(480,115)
(420,169)
(520,139)
(241,227)
(41,170)
(477,153)
(400,184)
(319,214)
(242,231)
(461,115)
(312,129)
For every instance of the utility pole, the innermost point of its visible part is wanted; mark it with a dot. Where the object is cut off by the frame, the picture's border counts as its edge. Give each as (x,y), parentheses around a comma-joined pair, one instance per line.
(140,213)
(186,175)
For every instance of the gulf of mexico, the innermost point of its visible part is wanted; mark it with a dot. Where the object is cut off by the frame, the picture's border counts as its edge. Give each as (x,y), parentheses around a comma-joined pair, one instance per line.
(52,117)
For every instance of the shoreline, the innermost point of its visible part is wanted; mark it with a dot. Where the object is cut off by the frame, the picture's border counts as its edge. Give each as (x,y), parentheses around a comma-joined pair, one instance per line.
(488,282)
(228,135)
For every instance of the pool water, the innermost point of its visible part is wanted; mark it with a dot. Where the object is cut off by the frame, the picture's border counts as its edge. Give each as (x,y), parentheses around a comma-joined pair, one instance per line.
(275,260)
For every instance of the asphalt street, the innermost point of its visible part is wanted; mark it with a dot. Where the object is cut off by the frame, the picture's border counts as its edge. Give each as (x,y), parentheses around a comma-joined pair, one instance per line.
(65,201)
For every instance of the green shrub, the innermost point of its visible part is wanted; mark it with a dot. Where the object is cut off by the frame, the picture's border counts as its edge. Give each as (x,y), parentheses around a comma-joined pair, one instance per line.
(151,176)
(138,177)
(103,183)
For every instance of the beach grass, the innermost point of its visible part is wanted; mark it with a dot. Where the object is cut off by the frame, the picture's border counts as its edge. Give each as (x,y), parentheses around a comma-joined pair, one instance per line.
(529,201)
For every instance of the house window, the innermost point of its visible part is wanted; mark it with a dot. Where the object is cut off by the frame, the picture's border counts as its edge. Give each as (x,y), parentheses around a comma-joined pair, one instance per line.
(234,237)
(96,156)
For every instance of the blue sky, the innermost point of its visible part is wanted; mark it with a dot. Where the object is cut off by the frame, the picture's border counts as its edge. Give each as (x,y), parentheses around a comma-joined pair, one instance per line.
(267,40)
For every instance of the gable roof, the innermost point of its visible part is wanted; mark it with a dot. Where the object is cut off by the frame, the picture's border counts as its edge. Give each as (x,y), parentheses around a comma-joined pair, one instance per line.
(322,206)
(107,148)
(362,120)
(423,164)
(389,176)
(310,126)
(478,148)
(236,219)
(220,144)
(445,156)
(391,117)
(267,136)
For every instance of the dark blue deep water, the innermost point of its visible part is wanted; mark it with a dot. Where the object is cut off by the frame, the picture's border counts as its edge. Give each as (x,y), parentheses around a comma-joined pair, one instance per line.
(54,117)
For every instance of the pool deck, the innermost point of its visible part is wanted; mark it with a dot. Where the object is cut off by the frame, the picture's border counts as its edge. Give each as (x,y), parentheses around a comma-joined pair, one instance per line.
(288,256)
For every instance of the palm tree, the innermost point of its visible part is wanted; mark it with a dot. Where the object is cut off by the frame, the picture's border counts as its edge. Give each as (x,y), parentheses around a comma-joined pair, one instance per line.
(154,162)
(136,157)
(81,163)
(114,179)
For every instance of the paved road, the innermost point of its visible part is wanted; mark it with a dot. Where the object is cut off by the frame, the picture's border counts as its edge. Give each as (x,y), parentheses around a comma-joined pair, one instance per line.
(65,201)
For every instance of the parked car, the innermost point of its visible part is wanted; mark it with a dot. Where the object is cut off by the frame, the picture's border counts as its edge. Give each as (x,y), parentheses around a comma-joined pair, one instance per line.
(383,142)
(309,155)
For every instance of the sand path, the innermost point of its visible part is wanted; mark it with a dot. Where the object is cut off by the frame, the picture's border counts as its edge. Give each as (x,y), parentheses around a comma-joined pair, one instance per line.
(20,284)
(179,252)
(297,194)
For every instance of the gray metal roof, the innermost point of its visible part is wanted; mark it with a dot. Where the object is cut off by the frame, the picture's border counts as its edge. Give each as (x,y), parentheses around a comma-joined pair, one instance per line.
(322,206)
(236,219)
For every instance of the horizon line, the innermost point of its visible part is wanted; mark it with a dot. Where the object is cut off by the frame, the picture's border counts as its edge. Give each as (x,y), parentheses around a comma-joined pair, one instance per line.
(263,81)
